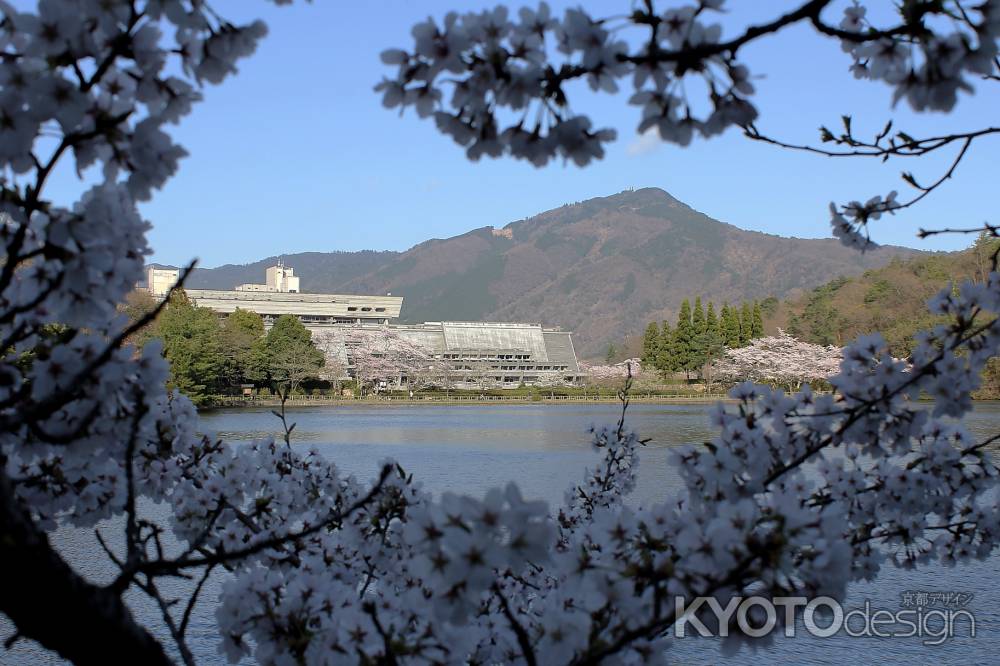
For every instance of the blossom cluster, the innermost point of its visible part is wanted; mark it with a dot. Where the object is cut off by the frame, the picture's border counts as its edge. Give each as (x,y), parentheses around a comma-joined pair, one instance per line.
(499,69)
(631,367)
(779,360)
(90,82)
(850,221)
(497,83)
(926,67)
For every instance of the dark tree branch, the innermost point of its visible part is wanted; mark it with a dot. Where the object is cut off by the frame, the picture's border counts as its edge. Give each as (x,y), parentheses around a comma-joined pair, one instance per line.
(988,228)
(902,146)
(51,604)
(186,618)
(523,640)
(149,587)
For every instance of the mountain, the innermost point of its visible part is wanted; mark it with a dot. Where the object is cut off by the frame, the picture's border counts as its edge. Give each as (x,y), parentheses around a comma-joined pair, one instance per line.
(602,268)
(891,300)
(320,271)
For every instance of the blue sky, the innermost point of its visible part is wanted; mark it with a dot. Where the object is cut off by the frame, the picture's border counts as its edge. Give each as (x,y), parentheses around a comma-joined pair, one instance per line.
(296,153)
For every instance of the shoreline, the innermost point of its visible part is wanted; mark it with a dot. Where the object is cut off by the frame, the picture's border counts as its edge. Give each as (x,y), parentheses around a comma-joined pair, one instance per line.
(240,403)
(272,403)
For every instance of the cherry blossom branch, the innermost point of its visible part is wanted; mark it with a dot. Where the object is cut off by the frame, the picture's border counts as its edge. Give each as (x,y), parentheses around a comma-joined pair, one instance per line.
(901,145)
(161,567)
(853,414)
(193,600)
(74,386)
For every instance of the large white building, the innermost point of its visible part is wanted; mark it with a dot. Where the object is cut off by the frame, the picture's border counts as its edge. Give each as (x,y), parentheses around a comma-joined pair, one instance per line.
(160,280)
(279,296)
(463,353)
(279,279)
(314,310)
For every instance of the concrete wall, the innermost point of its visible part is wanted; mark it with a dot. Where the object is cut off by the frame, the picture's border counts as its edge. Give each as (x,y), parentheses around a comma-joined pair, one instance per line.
(344,306)
(160,280)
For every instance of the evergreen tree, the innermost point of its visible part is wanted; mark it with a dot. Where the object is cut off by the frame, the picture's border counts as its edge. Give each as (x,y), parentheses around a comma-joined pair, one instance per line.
(139,304)
(713,342)
(665,360)
(710,342)
(795,327)
(609,357)
(191,343)
(699,352)
(651,345)
(768,306)
(684,348)
(746,323)
(730,327)
(711,321)
(698,317)
(757,325)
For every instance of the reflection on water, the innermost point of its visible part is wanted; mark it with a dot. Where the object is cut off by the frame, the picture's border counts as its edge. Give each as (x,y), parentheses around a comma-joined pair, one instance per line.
(468,449)
(545,448)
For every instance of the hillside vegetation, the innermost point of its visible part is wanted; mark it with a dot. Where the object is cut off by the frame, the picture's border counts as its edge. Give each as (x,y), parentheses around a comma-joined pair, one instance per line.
(891,300)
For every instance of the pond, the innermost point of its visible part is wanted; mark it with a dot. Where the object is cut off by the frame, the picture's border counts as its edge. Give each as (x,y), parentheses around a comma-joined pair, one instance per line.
(545,448)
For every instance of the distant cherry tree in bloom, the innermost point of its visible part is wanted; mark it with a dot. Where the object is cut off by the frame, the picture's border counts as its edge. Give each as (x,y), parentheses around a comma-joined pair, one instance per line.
(321,567)
(779,360)
(631,367)
(381,354)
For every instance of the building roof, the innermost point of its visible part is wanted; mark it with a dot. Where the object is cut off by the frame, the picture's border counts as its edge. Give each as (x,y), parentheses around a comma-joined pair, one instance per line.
(512,336)
(545,345)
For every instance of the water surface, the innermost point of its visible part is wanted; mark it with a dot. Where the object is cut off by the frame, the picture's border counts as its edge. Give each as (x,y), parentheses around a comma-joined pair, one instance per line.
(545,449)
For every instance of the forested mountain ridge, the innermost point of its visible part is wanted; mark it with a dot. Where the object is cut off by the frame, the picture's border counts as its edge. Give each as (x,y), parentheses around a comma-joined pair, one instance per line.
(891,300)
(320,271)
(602,268)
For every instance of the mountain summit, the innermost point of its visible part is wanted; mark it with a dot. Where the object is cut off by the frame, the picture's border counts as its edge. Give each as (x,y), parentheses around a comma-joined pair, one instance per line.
(603,267)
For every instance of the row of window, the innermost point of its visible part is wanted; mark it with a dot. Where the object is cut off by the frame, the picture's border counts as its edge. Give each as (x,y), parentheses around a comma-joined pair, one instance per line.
(489,357)
(526,379)
(505,379)
(354,308)
(535,368)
